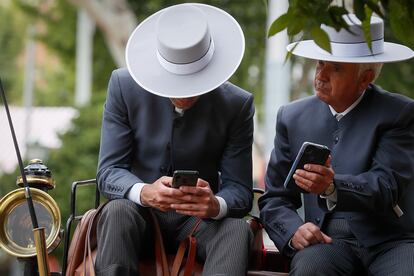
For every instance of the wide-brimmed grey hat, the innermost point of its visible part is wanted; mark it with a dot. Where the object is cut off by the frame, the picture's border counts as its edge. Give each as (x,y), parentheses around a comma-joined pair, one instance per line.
(352,47)
(185,50)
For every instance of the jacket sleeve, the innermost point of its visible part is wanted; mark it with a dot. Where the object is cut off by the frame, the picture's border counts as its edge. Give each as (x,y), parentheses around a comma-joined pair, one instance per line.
(278,205)
(114,177)
(236,163)
(391,173)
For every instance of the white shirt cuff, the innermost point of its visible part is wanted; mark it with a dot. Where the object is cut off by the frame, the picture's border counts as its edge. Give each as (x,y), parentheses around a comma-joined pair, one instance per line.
(331,200)
(223,208)
(134,193)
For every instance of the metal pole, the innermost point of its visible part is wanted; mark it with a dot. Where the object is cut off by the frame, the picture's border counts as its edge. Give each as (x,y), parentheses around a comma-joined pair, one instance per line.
(38,232)
(84,46)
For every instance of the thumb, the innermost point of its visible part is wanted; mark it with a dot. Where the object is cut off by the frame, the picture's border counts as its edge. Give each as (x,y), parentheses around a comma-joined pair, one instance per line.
(202,183)
(326,238)
(328,161)
(166,181)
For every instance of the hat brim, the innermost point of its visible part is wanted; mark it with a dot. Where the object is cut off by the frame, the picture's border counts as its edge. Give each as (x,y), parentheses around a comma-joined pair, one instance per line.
(392,52)
(145,69)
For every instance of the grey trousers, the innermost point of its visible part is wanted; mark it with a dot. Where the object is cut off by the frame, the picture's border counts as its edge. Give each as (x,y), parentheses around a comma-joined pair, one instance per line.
(346,256)
(125,236)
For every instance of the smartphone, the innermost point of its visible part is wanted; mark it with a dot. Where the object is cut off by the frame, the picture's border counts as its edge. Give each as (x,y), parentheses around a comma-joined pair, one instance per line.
(184,178)
(309,153)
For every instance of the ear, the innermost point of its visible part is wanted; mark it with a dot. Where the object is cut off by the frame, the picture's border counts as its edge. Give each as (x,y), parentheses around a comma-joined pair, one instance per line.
(365,79)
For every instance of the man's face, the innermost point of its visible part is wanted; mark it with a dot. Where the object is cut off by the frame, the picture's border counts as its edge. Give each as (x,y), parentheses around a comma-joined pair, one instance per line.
(337,84)
(184,103)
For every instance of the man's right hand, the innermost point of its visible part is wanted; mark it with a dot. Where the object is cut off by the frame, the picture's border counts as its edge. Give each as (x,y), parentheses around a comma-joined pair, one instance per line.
(160,195)
(308,234)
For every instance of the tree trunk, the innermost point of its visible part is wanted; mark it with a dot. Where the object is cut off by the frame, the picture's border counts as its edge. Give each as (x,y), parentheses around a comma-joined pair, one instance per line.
(116,21)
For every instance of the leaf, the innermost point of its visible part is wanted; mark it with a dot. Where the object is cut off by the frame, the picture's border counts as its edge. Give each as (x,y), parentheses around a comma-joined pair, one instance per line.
(366,27)
(321,38)
(359,9)
(279,24)
(296,26)
(336,15)
(290,53)
(373,5)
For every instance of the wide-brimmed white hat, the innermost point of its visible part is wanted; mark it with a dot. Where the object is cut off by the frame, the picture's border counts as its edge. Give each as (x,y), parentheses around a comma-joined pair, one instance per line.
(185,50)
(352,47)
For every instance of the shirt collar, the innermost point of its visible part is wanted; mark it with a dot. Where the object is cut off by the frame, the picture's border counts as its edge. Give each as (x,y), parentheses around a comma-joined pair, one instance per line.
(180,111)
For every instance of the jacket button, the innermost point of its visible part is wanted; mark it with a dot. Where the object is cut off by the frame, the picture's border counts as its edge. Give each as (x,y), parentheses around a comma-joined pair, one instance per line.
(177,123)
(317,220)
(336,139)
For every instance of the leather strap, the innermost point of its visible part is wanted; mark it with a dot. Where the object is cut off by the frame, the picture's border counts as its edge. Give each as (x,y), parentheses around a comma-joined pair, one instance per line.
(87,255)
(161,263)
(190,242)
(189,265)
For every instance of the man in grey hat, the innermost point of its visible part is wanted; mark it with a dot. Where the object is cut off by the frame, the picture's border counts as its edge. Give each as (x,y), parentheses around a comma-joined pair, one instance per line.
(359,217)
(173,109)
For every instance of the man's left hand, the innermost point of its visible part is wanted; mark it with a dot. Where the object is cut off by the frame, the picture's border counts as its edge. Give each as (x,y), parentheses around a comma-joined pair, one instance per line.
(198,201)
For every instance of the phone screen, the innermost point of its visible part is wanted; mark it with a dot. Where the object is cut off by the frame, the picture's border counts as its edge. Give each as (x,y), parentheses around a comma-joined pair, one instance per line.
(184,178)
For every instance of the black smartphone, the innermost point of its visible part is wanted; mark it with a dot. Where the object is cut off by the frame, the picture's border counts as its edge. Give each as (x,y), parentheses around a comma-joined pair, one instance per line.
(184,178)
(309,153)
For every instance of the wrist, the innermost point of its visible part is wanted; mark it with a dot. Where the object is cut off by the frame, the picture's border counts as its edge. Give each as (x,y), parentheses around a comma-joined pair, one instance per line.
(144,195)
(216,207)
(329,190)
(290,250)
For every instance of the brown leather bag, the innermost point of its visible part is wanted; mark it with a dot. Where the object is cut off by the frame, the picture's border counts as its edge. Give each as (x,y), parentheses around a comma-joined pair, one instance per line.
(82,251)
(81,254)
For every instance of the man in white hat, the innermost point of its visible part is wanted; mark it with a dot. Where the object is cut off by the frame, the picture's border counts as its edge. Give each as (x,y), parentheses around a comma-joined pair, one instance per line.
(359,216)
(173,109)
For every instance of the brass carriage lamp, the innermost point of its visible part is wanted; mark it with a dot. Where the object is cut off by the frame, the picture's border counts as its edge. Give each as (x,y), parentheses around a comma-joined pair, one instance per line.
(16,232)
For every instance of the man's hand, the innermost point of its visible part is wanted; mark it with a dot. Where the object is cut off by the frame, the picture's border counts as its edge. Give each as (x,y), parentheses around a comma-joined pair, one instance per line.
(315,178)
(197,201)
(308,234)
(160,195)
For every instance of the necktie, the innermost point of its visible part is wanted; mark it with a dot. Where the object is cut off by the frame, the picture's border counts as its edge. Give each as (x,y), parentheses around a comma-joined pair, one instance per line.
(338,116)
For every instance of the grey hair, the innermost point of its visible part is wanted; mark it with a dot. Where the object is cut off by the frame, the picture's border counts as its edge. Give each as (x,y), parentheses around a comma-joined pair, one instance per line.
(376,67)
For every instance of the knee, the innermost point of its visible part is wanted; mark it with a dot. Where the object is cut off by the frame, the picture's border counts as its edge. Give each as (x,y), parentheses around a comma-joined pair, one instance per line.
(239,229)
(123,214)
(119,207)
(305,265)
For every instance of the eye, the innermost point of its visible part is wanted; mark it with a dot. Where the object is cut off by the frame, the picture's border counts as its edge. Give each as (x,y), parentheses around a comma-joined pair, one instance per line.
(337,67)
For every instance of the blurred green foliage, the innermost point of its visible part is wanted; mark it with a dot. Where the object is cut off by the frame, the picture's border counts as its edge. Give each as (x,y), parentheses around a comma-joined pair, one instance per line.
(11,42)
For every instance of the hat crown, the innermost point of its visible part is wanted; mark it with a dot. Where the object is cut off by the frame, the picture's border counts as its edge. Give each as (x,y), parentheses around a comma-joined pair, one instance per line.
(182,34)
(356,33)
(352,46)
(352,43)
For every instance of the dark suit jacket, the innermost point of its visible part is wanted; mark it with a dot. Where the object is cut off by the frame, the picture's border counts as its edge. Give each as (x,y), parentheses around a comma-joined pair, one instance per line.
(143,138)
(373,159)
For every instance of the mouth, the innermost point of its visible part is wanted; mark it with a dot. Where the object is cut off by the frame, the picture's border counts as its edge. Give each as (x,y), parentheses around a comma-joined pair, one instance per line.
(184,103)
